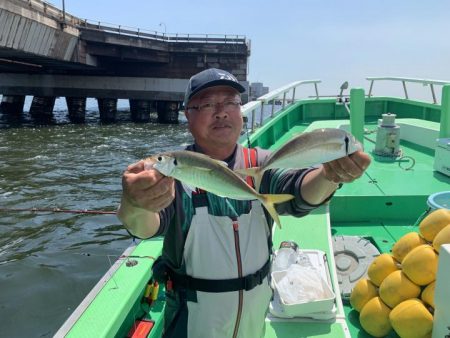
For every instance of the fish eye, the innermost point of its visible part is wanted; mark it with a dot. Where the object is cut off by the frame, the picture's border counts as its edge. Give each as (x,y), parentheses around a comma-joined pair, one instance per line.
(175,161)
(159,158)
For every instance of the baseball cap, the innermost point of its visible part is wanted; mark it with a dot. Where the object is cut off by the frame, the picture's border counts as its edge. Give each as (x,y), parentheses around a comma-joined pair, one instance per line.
(209,78)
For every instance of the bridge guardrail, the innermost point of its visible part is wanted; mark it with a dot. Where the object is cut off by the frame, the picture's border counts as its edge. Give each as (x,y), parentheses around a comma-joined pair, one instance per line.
(66,19)
(52,11)
(155,35)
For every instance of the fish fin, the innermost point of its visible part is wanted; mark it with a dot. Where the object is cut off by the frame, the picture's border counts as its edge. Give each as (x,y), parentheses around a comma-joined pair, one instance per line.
(222,163)
(254,172)
(247,171)
(258,179)
(269,200)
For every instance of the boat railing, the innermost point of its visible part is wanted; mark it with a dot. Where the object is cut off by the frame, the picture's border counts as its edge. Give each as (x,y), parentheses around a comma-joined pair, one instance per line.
(405,80)
(271,98)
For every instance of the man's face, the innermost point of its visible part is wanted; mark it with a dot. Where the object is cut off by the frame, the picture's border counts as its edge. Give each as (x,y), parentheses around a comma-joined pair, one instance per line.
(219,124)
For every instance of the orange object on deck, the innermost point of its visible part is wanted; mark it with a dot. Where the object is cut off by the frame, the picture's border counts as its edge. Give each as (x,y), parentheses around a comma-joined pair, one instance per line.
(141,328)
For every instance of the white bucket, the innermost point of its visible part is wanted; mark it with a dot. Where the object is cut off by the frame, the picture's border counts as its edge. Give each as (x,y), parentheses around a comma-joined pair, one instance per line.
(439,200)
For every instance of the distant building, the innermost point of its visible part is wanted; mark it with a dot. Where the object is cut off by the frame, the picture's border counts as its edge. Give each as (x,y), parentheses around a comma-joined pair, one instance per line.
(257,89)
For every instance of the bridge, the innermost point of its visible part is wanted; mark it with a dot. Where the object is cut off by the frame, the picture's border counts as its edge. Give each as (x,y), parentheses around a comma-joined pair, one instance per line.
(48,53)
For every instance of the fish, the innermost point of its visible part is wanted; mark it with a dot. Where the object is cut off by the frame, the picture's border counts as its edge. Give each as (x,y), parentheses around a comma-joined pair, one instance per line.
(201,171)
(306,150)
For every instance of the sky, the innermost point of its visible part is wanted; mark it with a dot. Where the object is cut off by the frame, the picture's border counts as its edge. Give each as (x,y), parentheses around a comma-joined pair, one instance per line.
(334,41)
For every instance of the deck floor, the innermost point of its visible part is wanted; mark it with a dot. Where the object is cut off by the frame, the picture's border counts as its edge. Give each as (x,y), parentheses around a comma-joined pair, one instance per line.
(385,204)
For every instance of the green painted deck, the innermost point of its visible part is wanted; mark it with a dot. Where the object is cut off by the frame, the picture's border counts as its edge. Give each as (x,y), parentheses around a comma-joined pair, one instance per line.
(108,315)
(384,205)
(381,206)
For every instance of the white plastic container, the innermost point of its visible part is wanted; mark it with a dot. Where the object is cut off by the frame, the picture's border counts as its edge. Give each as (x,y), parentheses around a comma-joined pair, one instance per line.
(442,156)
(323,308)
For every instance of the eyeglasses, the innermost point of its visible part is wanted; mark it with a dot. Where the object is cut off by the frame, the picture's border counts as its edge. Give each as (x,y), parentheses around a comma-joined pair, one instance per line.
(210,107)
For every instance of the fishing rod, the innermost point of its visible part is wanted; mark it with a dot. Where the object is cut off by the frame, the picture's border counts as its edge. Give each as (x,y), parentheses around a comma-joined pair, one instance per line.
(94,212)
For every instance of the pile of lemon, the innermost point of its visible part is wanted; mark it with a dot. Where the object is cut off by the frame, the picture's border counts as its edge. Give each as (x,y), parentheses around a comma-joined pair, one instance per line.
(399,291)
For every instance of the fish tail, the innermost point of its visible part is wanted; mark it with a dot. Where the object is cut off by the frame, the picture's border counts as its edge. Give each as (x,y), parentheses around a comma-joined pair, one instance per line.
(254,172)
(269,200)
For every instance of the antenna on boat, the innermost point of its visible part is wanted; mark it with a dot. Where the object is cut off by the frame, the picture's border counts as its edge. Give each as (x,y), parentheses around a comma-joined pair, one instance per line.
(340,99)
(344,86)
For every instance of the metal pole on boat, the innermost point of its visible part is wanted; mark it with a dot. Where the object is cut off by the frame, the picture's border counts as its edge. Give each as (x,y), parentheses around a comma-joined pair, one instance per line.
(261,119)
(445,112)
(357,112)
(253,119)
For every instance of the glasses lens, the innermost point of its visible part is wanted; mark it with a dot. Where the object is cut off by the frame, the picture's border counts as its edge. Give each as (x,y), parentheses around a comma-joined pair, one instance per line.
(228,106)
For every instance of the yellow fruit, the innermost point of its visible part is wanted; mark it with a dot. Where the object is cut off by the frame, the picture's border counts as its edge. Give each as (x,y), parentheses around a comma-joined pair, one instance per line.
(411,319)
(443,237)
(396,288)
(362,292)
(420,265)
(381,267)
(433,223)
(374,318)
(428,294)
(405,244)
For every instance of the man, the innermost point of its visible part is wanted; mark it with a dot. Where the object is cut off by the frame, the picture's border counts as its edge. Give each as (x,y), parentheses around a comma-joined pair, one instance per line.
(216,251)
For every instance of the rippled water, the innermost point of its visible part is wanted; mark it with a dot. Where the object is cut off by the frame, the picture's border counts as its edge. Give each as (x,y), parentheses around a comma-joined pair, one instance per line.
(50,261)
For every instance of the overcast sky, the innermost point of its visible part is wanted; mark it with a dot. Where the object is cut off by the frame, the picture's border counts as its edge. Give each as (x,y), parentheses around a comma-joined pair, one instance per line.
(333,41)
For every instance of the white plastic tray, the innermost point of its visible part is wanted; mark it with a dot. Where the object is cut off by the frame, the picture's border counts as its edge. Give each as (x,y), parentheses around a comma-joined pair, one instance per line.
(320,309)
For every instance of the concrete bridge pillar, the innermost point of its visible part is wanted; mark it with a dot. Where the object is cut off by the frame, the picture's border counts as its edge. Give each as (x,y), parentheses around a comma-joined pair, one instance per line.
(108,109)
(12,105)
(167,111)
(140,110)
(77,109)
(42,107)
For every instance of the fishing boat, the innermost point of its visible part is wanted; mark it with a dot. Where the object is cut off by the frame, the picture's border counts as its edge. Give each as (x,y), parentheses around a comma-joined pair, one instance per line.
(409,142)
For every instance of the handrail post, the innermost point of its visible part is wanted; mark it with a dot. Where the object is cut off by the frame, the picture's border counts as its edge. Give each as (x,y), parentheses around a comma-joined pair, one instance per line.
(357,112)
(404,88)
(370,89)
(293,95)
(433,94)
(445,112)
(253,119)
(262,113)
(284,99)
(273,107)
(317,90)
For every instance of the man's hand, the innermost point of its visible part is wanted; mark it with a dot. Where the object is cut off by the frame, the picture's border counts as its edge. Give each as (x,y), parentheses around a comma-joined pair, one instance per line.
(147,189)
(346,169)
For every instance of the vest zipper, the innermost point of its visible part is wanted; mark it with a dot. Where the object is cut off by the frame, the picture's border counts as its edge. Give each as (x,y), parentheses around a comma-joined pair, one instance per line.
(239,265)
